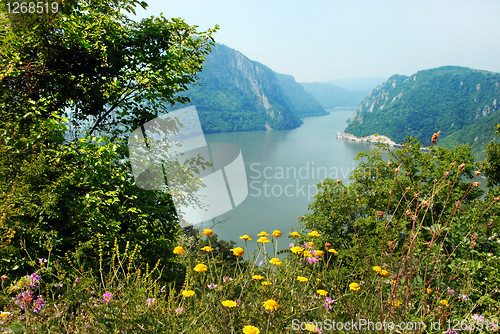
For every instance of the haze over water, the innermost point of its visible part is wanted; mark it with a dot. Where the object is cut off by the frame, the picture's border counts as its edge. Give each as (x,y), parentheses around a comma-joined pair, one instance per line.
(282,173)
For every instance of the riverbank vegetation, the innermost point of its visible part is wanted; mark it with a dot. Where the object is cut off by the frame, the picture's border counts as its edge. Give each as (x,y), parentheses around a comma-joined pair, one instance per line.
(83,250)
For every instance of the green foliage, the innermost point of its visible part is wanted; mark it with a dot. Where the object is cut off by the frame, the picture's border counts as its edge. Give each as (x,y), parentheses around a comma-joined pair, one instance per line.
(93,69)
(463,103)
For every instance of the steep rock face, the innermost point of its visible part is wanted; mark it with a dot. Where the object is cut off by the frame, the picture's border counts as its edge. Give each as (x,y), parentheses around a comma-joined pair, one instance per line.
(237,94)
(301,102)
(451,99)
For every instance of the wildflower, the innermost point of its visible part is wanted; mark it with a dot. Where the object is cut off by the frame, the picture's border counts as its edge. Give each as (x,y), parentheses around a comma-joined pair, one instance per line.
(4,277)
(443,302)
(77,280)
(257,277)
(327,306)
(179,310)
(477,173)
(322,292)
(58,285)
(270,305)
(178,250)
(245,237)
(319,253)
(225,279)
(384,273)
(276,234)
(379,213)
(261,263)
(263,240)
(297,250)
(394,281)
(238,251)
(354,286)
(263,234)
(228,303)
(478,318)
(200,268)
(428,290)
(4,314)
(435,137)
(461,166)
(208,232)
(106,298)
(451,292)
(331,250)
(314,234)
(377,269)
(187,293)
(318,279)
(275,261)
(212,286)
(463,297)
(291,245)
(302,279)
(309,244)
(42,261)
(150,301)
(313,260)
(395,303)
(250,330)
(207,249)
(266,283)
(295,234)
(24,299)
(329,300)
(312,328)
(38,304)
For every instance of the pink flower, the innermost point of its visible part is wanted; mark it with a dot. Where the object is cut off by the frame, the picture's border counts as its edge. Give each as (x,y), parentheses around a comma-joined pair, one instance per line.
(107,297)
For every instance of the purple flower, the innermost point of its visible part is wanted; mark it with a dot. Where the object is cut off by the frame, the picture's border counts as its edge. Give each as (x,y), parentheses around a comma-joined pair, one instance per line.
(58,285)
(225,279)
(77,280)
(39,304)
(107,297)
(451,292)
(150,301)
(24,299)
(327,306)
(261,263)
(42,261)
(179,310)
(329,300)
(291,245)
(312,259)
(478,317)
(163,289)
(463,297)
(212,286)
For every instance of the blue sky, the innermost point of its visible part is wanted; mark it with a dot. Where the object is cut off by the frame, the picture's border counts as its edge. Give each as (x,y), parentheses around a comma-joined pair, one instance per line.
(321,40)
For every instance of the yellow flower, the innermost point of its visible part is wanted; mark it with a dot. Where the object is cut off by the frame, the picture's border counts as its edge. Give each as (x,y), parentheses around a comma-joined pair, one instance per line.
(428,290)
(318,279)
(238,251)
(314,234)
(307,253)
(311,328)
(270,305)
(319,253)
(377,269)
(322,292)
(4,314)
(275,261)
(443,302)
(302,279)
(297,250)
(384,273)
(257,277)
(250,330)
(354,286)
(228,303)
(208,231)
(266,283)
(187,293)
(263,234)
(245,237)
(396,303)
(295,234)
(263,240)
(394,281)
(207,249)
(178,250)
(276,233)
(200,268)
(331,250)
(310,244)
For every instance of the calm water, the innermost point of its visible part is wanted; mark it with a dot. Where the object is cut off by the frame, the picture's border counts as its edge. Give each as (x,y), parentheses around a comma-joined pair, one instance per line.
(283,168)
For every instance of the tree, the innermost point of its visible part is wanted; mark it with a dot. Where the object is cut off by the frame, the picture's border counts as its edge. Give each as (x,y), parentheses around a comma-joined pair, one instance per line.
(91,67)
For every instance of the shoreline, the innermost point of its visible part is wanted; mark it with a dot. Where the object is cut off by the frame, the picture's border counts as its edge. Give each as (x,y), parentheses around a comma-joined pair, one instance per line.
(375,138)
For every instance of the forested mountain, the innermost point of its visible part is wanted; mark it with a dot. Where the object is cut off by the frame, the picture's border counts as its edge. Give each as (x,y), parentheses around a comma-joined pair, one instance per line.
(366,84)
(237,94)
(461,102)
(331,96)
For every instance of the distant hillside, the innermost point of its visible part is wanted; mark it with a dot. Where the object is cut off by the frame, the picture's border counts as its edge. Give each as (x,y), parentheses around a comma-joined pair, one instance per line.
(363,83)
(461,102)
(237,94)
(331,96)
(301,102)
